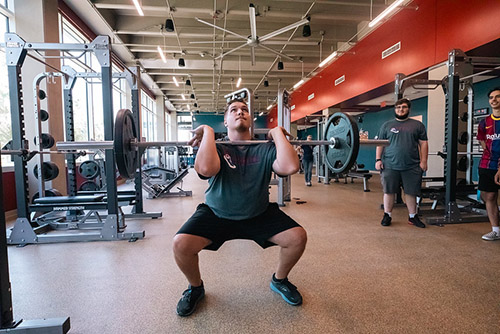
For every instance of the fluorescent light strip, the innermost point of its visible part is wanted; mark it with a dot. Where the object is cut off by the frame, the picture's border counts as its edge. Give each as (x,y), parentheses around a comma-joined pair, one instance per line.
(162,55)
(238,83)
(298,83)
(138,7)
(261,113)
(175,81)
(327,59)
(183,97)
(189,107)
(269,106)
(385,13)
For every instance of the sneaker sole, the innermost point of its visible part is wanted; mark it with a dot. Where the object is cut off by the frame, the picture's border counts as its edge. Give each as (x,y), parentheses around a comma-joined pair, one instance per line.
(490,239)
(410,223)
(192,311)
(283,296)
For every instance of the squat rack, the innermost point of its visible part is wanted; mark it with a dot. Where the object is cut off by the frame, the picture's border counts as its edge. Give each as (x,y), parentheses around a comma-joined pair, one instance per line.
(457,85)
(16,51)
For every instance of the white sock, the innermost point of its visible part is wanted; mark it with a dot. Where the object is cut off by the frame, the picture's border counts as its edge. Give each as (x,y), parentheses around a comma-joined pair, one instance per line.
(496,229)
(412,215)
(388,213)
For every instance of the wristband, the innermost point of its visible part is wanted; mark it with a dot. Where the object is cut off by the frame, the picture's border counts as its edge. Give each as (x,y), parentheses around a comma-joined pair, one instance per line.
(378,160)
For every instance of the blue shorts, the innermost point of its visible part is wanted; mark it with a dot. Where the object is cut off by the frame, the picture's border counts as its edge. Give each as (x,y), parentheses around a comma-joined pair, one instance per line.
(205,223)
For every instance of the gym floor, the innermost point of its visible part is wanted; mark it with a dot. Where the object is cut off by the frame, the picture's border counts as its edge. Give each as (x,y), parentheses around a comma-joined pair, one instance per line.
(355,276)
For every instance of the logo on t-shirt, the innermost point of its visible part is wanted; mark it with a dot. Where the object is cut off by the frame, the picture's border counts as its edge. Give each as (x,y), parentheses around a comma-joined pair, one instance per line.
(227,157)
(394,130)
(495,136)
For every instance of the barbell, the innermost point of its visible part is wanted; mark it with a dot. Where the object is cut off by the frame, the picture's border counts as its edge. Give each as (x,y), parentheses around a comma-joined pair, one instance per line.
(340,147)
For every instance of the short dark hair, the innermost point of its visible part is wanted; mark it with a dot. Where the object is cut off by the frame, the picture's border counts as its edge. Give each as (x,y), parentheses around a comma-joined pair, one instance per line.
(401,101)
(236,99)
(492,90)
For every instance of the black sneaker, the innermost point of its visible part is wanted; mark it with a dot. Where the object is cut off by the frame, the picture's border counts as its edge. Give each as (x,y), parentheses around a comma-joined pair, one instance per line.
(386,221)
(416,222)
(190,298)
(287,290)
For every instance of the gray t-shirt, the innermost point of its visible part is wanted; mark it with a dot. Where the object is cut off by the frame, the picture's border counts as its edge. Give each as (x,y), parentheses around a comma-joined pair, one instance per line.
(402,152)
(241,188)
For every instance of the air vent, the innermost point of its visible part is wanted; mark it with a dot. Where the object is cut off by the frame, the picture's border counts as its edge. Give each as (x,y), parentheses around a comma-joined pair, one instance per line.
(393,49)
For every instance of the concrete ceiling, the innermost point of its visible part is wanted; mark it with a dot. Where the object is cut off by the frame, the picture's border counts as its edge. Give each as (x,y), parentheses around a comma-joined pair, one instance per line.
(136,39)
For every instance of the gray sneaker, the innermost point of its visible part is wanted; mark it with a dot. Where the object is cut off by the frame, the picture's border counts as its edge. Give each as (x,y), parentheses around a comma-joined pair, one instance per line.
(287,290)
(491,236)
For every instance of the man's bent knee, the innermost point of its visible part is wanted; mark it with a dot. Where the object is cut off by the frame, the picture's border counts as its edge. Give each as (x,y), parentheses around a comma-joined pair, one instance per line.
(294,237)
(189,244)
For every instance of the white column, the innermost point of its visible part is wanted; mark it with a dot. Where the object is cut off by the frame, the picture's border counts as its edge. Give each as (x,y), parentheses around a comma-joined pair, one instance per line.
(435,122)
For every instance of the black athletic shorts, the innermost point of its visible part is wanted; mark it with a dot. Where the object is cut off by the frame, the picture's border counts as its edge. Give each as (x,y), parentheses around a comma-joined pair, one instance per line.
(205,223)
(487,180)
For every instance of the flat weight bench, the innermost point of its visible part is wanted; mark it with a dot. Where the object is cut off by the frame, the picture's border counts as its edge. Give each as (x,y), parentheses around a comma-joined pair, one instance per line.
(360,174)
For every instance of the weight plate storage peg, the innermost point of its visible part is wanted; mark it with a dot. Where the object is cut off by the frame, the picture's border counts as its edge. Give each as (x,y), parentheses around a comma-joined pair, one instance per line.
(125,134)
(89,169)
(344,131)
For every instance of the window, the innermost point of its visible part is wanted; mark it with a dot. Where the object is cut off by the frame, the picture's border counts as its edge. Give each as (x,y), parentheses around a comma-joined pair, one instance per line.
(5,120)
(87,93)
(149,126)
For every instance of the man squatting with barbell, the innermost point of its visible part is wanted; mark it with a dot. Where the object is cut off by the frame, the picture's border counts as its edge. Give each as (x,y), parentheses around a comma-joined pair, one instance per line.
(237,204)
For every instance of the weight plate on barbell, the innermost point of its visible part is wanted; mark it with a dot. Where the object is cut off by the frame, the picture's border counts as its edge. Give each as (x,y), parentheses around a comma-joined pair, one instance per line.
(344,130)
(125,133)
(89,169)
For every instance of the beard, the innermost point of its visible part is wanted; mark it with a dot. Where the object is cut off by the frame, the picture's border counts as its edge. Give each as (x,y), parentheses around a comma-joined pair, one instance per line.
(401,117)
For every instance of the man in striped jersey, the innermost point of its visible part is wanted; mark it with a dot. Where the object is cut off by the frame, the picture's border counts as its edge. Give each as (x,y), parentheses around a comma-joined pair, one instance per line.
(488,134)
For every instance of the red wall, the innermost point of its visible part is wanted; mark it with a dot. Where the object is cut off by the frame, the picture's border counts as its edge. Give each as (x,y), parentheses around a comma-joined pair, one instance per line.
(9,191)
(426,36)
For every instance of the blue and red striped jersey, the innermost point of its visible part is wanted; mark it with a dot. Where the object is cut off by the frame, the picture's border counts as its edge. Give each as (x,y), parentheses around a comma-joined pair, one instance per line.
(488,131)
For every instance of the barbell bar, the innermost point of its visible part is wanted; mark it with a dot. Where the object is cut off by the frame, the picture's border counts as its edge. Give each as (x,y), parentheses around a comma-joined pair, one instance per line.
(340,148)
(109,144)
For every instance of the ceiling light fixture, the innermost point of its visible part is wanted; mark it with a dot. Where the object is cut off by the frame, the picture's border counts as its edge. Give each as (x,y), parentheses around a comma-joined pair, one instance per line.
(189,107)
(385,13)
(169,25)
(239,71)
(162,55)
(280,66)
(138,7)
(192,96)
(266,83)
(269,107)
(175,81)
(327,59)
(261,113)
(298,83)
(188,82)
(183,97)
(182,63)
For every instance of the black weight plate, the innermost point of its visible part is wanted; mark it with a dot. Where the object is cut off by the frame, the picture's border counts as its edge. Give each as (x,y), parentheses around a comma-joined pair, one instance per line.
(125,132)
(463,164)
(89,169)
(44,115)
(49,170)
(47,140)
(88,186)
(344,130)
(463,138)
